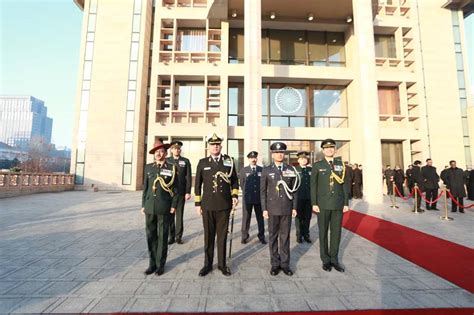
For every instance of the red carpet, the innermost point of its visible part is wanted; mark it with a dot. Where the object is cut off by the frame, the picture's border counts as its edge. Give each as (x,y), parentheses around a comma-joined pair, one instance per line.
(448,260)
(424,311)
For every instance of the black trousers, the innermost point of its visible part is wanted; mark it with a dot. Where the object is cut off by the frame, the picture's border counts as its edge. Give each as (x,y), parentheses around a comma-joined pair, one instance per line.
(176,229)
(157,226)
(389,188)
(303,217)
(279,227)
(215,222)
(356,190)
(417,196)
(431,194)
(454,206)
(247,215)
(400,189)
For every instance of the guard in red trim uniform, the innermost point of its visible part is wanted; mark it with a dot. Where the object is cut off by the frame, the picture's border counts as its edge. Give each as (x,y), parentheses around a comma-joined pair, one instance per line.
(216,192)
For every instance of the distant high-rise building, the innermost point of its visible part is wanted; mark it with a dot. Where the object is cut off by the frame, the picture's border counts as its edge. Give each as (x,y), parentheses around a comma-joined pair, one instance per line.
(23,119)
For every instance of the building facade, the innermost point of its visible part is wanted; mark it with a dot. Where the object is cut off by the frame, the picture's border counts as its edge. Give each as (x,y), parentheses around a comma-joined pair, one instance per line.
(24,119)
(385,79)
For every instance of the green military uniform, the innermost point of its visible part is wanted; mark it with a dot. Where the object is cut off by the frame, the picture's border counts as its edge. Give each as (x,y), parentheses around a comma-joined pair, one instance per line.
(303,209)
(158,199)
(331,195)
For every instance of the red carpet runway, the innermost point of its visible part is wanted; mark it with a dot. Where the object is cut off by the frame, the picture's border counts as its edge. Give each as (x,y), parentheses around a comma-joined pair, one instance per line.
(448,260)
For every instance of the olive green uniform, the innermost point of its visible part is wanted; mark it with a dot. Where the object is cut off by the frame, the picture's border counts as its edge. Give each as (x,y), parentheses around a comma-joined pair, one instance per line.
(158,203)
(331,197)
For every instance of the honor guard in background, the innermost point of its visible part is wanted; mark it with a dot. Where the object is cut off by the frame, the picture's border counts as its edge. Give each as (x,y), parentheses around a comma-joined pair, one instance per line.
(389,175)
(216,191)
(159,202)
(249,178)
(417,178)
(330,198)
(183,178)
(303,209)
(455,180)
(278,186)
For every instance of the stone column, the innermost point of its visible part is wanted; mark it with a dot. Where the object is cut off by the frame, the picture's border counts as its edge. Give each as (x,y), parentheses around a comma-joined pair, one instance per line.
(252,77)
(368,132)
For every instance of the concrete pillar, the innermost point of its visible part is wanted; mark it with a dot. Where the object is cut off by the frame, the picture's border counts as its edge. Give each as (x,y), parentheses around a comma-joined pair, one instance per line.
(253,77)
(366,94)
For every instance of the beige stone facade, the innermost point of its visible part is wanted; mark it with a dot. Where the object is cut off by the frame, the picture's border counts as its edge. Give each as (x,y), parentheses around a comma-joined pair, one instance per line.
(386,79)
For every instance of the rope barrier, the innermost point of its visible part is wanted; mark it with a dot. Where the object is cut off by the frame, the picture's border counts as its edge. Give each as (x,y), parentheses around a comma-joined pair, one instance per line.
(401,196)
(426,200)
(457,203)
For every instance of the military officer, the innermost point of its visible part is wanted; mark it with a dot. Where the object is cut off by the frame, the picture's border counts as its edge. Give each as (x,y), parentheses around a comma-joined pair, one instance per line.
(159,200)
(216,192)
(183,177)
(249,178)
(278,185)
(330,198)
(303,217)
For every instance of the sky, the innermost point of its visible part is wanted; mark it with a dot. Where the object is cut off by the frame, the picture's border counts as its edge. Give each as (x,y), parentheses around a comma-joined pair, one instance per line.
(39,56)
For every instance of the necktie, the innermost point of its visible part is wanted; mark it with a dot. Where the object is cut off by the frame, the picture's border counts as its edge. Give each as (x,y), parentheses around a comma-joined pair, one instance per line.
(279,168)
(216,160)
(332,165)
(253,169)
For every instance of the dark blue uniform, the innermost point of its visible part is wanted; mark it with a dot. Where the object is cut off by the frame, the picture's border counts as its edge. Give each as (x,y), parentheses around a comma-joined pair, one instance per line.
(249,178)
(304,207)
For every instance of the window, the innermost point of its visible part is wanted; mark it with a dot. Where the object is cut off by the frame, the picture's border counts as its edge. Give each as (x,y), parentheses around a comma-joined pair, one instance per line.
(191,96)
(236,45)
(236,104)
(191,40)
(235,149)
(287,106)
(385,46)
(329,107)
(303,47)
(389,100)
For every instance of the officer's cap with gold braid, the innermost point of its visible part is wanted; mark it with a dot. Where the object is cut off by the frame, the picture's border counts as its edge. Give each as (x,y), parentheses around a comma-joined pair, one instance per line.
(214,139)
(328,143)
(278,147)
(252,154)
(176,144)
(303,154)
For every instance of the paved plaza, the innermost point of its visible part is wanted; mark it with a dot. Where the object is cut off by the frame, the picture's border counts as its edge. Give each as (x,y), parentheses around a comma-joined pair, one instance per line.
(86,252)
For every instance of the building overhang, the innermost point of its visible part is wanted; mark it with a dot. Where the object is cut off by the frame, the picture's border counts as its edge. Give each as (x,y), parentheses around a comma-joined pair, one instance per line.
(467,6)
(79,3)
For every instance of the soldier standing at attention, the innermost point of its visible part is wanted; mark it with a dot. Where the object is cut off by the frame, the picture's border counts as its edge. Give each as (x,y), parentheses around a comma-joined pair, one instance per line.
(330,198)
(159,202)
(183,170)
(303,209)
(249,178)
(216,190)
(278,186)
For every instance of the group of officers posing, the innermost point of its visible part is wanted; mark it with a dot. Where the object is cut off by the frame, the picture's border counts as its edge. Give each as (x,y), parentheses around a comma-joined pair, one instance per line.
(278,193)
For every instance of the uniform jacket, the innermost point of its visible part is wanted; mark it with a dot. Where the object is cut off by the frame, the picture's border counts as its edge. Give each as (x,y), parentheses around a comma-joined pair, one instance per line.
(357,177)
(304,192)
(250,184)
(211,193)
(183,169)
(321,193)
(417,178)
(276,202)
(159,201)
(430,177)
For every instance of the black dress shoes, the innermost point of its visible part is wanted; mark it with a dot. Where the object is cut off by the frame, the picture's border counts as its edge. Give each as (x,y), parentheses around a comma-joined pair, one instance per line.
(225,271)
(327,267)
(160,271)
(436,209)
(179,241)
(274,271)
(204,271)
(299,240)
(245,241)
(263,241)
(149,270)
(307,239)
(171,241)
(338,267)
(287,271)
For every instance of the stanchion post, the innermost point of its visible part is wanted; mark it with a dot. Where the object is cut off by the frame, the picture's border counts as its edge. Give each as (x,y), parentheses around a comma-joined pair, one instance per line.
(416,198)
(394,187)
(445,217)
